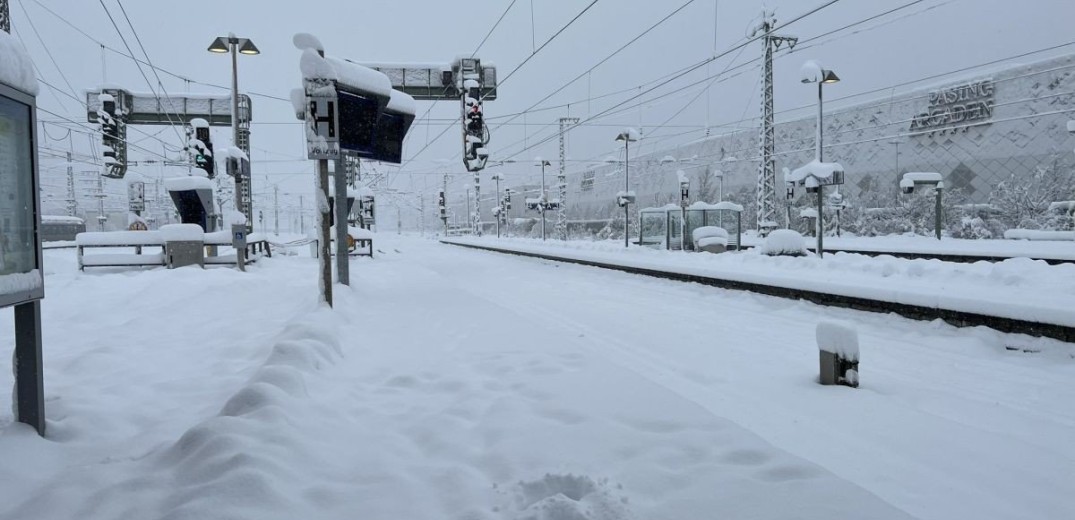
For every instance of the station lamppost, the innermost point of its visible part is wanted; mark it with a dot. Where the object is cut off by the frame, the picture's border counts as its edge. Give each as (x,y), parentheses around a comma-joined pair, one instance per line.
(813,72)
(544,201)
(497,177)
(236,46)
(628,136)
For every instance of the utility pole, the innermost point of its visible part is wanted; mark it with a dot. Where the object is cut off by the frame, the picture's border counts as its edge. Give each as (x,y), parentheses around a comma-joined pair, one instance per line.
(101,218)
(302,220)
(561,179)
(766,188)
(444,204)
(276,208)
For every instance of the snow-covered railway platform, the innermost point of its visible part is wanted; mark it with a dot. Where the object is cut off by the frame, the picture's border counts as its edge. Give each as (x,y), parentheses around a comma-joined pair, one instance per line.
(458,384)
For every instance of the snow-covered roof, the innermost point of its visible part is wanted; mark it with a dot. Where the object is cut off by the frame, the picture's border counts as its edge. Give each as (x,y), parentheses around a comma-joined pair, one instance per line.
(199,123)
(16,67)
(438,65)
(922,177)
(813,169)
(189,182)
(1071,126)
(234,152)
(723,205)
(401,103)
(61,219)
(357,76)
(1066,206)
(808,213)
(662,209)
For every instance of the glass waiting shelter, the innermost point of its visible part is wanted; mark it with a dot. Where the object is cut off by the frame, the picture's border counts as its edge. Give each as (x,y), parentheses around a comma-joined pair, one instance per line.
(660,227)
(663,228)
(726,215)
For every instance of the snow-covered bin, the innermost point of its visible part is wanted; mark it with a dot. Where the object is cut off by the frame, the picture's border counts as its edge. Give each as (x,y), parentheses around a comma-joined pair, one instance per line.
(838,346)
(783,242)
(184,244)
(711,239)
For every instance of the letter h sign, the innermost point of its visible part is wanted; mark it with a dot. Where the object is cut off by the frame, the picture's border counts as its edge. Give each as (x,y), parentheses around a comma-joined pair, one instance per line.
(322,132)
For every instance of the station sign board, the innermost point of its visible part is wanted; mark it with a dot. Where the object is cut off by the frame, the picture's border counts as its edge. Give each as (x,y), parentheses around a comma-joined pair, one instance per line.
(20,246)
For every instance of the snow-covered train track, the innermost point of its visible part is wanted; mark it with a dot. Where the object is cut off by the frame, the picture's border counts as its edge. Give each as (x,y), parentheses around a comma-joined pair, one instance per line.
(1013,322)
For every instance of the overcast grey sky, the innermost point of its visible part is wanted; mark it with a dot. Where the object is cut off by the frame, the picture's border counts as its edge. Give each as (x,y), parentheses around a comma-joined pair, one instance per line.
(922,40)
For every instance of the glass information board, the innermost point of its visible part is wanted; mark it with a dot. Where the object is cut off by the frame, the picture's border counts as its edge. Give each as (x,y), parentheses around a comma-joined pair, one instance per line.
(18,252)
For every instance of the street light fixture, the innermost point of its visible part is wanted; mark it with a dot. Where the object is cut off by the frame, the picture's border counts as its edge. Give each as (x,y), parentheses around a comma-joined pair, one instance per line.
(628,136)
(237,46)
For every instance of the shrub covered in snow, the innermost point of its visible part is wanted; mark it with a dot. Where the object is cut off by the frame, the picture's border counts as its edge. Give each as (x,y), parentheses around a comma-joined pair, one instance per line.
(783,242)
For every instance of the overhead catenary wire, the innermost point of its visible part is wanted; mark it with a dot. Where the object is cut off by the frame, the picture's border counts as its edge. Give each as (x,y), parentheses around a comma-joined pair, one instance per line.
(139,66)
(501,82)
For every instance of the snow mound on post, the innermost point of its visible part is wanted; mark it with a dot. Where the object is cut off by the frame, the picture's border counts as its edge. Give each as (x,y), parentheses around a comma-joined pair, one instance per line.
(811,72)
(313,66)
(182,233)
(303,41)
(911,178)
(816,169)
(838,338)
(783,242)
(16,67)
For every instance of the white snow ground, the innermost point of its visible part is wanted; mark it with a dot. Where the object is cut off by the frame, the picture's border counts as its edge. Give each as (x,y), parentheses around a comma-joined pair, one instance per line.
(466,385)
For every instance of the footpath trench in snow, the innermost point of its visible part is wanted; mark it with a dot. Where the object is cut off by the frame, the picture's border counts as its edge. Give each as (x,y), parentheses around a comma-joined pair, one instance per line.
(467,385)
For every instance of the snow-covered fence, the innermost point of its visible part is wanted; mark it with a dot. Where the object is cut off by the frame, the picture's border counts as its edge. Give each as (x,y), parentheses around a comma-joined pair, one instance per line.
(838,346)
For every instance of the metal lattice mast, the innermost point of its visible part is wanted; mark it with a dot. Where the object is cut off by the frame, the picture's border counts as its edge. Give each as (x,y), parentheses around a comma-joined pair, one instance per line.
(477,216)
(766,192)
(242,141)
(72,197)
(5,16)
(561,180)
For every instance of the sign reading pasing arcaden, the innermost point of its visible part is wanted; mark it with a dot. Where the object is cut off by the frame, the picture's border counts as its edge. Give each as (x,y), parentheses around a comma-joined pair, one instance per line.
(968,104)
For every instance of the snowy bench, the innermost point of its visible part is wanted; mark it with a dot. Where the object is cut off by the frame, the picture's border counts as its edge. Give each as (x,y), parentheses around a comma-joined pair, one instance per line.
(711,239)
(256,246)
(119,239)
